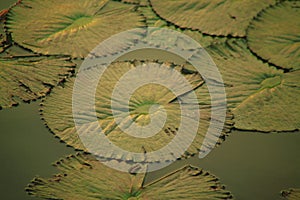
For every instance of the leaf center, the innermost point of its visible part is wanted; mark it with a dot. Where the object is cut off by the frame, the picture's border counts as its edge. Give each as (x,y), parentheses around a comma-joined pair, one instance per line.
(142,112)
(144,108)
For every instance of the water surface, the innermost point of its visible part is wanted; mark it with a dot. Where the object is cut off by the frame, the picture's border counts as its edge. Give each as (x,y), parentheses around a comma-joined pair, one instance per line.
(27,149)
(252,165)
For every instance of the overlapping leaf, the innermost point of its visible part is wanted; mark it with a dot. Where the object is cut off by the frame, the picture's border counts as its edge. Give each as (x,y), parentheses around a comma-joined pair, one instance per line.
(249,83)
(72,27)
(83,177)
(215,17)
(28,78)
(291,194)
(261,97)
(57,112)
(274,35)
(153,20)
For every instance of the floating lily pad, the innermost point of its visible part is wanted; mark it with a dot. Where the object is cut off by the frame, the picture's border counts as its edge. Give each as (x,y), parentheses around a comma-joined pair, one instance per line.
(261,97)
(214,17)
(274,35)
(57,112)
(28,78)
(71,27)
(291,194)
(83,177)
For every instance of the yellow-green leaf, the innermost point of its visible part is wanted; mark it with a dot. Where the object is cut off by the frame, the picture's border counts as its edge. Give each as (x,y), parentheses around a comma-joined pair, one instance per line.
(71,27)
(275,35)
(30,77)
(83,177)
(291,194)
(261,97)
(214,17)
(153,20)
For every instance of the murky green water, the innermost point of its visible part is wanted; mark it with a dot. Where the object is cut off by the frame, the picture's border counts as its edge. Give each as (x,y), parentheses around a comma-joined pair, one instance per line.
(251,165)
(27,149)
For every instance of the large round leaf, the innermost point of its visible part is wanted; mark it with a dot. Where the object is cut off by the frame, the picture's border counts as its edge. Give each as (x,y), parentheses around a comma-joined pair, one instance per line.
(274,35)
(214,17)
(57,112)
(261,97)
(28,78)
(72,27)
(291,194)
(83,177)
